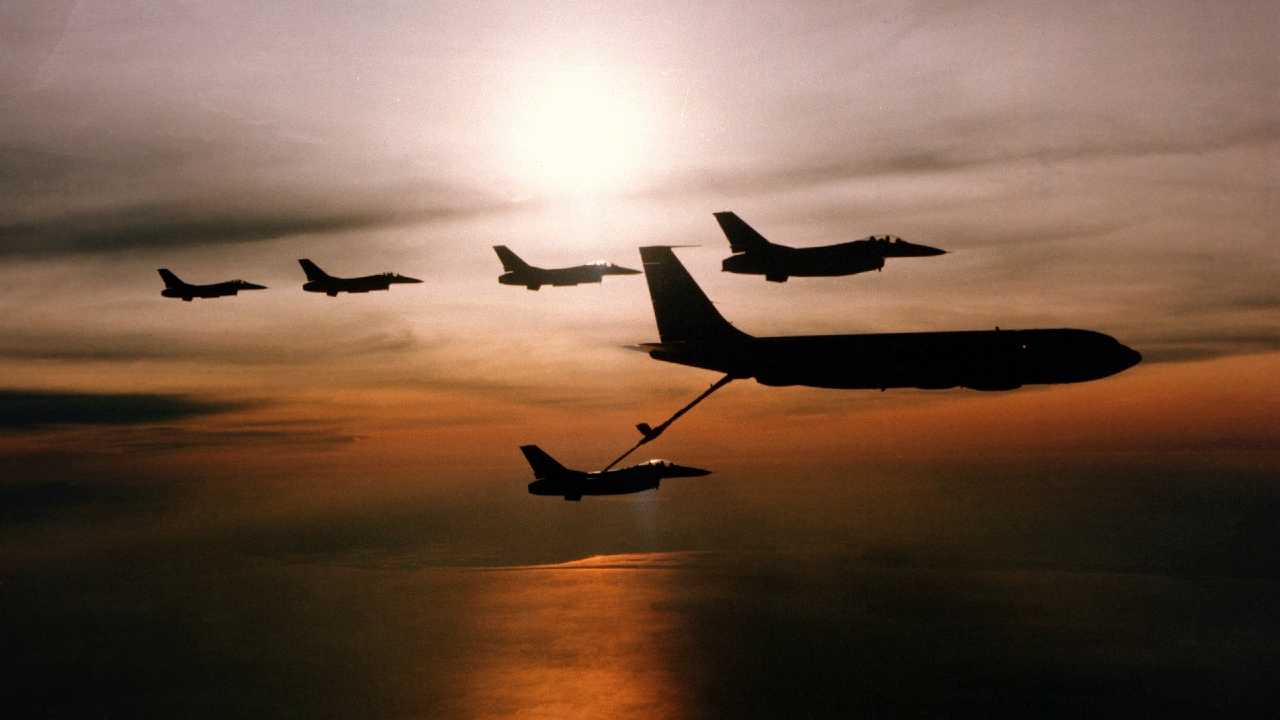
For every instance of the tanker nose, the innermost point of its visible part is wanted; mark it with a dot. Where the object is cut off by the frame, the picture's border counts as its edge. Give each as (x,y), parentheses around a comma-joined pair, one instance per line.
(1127,357)
(1116,359)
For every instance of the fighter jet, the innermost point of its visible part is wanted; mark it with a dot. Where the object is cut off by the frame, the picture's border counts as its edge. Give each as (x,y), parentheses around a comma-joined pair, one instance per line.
(552,478)
(694,333)
(519,272)
(758,256)
(174,287)
(321,281)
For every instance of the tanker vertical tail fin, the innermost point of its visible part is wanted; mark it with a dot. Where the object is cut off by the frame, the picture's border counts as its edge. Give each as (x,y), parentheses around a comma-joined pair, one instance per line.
(683,312)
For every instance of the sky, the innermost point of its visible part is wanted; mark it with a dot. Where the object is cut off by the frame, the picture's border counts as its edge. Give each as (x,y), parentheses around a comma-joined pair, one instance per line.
(1109,166)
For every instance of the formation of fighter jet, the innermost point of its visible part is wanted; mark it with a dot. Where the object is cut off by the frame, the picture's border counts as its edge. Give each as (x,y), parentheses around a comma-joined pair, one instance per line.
(174,287)
(552,478)
(757,256)
(320,281)
(519,272)
(693,332)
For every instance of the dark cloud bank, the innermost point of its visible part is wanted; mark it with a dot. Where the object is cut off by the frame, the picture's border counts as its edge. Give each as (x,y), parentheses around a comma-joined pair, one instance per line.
(182,224)
(26,410)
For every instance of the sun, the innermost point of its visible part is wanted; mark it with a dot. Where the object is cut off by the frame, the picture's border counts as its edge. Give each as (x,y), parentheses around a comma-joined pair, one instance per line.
(581,130)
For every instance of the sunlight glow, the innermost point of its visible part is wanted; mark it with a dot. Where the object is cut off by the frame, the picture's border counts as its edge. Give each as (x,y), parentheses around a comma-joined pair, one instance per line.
(580,131)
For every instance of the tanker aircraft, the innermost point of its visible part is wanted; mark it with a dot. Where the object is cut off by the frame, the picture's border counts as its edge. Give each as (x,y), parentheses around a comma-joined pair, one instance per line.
(694,333)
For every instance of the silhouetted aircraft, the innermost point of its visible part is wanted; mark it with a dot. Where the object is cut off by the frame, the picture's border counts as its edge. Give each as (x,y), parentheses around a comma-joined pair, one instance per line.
(552,478)
(519,272)
(321,281)
(694,333)
(758,256)
(174,287)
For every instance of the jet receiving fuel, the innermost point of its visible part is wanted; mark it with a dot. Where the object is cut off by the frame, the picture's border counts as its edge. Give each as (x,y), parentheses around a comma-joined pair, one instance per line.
(322,282)
(758,256)
(552,478)
(174,287)
(694,333)
(519,272)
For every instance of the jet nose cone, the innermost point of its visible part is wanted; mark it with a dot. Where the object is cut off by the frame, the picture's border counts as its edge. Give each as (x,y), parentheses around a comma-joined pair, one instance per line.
(254,286)
(407,279)
(902,248)
(914,250)
(619,270)
(686,471)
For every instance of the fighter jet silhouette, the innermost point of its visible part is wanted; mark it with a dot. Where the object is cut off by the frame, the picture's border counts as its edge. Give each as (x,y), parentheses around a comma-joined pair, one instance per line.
(776,262)
(694,333)
(320,281)
(519,272)
(552,478)
(174,287)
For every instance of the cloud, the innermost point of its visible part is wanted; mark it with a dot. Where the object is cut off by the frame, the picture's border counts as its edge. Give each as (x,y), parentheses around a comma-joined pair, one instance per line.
(978,141)
(30,502)
(181,223)
(367,336)
(676,560)
(167,438)
(29,34)
(28,410)
(188,177)
(1180,346)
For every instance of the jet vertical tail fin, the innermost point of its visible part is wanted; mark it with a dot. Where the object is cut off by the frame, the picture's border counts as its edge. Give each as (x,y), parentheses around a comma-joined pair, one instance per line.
(742,237)
(312,270)
(170,280)
(682,310)
(543,464)
(510,261)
